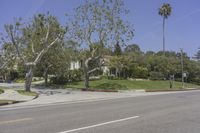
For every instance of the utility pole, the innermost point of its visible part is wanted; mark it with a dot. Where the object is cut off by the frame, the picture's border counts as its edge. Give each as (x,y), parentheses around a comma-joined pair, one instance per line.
(182,67)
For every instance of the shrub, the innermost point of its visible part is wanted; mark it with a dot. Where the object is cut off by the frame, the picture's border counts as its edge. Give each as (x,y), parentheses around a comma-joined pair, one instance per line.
(75,75)
(196,80)
(156,76)
(140,72)
(111,77)
(59,80)
(67,77)
(103,77)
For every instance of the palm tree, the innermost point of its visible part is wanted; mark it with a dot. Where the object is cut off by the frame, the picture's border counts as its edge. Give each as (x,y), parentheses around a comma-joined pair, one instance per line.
(165,12)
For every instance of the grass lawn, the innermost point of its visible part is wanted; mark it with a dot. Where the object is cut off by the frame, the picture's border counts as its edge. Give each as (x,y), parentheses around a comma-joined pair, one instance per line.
(3,102)
(23,92)
(106,84)
(1,91)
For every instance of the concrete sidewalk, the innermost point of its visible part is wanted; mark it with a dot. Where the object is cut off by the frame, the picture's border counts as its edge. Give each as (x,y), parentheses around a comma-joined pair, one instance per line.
(54,96)
(49,97)
(10,94)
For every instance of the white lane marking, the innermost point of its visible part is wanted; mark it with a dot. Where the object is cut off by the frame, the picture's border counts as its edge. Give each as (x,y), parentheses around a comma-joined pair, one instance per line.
(101,124)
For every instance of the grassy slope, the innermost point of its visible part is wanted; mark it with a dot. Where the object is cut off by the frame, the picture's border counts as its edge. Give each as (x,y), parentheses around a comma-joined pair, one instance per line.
(147,85)
(2,102)
(23,92)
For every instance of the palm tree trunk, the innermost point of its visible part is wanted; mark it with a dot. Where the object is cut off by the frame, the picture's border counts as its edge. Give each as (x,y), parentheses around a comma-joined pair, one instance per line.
(163,35)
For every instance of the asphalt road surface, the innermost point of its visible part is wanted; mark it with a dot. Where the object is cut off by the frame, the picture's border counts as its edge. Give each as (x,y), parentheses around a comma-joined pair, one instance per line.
(169,113)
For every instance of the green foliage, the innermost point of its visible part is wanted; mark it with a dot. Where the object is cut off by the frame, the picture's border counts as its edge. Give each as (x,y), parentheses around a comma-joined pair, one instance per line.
(105,24)
(117,50)
(30,41)
(61,80)
(67,77)
(133,48)
(165,10)
(197,56)
(156,76)
(75,75)
(140,72)
(99,25)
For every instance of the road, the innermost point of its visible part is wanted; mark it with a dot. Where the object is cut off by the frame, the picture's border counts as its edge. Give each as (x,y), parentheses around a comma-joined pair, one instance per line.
(169,113)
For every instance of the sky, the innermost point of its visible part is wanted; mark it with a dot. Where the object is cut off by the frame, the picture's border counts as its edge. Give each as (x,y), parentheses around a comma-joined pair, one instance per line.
(182,27)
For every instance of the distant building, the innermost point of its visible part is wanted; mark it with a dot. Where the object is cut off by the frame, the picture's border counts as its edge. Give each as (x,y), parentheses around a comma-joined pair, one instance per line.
(75,65)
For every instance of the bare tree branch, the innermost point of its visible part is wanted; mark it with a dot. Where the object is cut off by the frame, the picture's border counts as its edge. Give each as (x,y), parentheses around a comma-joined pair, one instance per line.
(4,65)
(93,70)
(15,43)
(47,34)
(93,51)
(42,52)
(32,47)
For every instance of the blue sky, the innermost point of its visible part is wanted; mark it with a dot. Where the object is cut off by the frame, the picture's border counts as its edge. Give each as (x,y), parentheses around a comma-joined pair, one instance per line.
(182,27)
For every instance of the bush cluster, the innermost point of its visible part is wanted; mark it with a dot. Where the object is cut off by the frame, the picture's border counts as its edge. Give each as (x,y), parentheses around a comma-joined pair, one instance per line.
(67,77)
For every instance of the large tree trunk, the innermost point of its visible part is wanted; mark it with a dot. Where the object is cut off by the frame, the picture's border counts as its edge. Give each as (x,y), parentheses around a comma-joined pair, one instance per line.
(86,81)
(29,76)
(86,75)
(46,79)
(87,71)
(46,75)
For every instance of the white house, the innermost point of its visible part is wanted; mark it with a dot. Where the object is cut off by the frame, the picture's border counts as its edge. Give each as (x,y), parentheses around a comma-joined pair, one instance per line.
(74,65)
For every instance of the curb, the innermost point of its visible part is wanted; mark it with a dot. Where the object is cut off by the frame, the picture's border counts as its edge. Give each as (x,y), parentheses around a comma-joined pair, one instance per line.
(14,101)
(140,90)
(168,90)
(93,90)
(10,102)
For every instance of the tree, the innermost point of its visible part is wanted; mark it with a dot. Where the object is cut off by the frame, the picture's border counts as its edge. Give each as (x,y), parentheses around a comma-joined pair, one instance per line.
(7,61)
(165,12)
(98,25)
(197,56)
(118,63)
(32,40)
(132,48)
(57,59)
(117,50)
